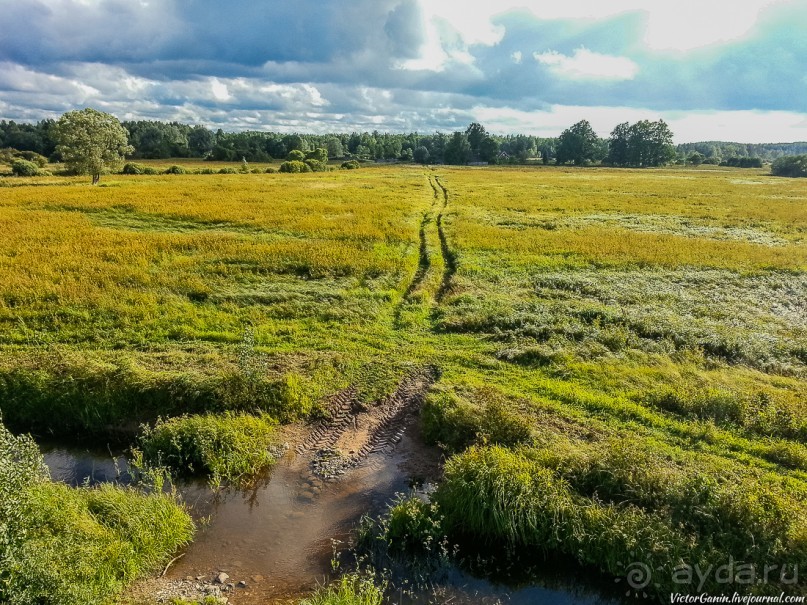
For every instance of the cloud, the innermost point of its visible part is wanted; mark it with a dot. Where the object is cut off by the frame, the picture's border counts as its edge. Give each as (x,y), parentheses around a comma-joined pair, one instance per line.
(405,64)
(587,65)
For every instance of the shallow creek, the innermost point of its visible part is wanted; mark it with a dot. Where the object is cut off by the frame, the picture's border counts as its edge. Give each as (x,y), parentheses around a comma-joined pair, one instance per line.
(279,538)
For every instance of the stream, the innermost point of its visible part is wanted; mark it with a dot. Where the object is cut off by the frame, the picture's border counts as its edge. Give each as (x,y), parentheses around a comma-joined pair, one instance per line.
(279,538)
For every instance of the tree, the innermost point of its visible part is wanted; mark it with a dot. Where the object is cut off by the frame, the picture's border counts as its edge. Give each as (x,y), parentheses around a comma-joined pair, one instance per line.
(794,165)
(619,145)
(476,133)
(650,144)
(91,142)
(489,150)
(578,144)
(201,141)
(695,158)
(458,150)
(421,155)
(320,154)
(335,149)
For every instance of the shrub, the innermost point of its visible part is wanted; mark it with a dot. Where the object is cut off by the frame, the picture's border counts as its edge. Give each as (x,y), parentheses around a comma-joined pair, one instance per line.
(24,168)
(207,171)
(228,447)
(794,166)
(351,165)
(271,170)
(228,170)
(32,156)
(175,170)
(132,168)
(317,166)
(295,155)
(294,166)
(150,170)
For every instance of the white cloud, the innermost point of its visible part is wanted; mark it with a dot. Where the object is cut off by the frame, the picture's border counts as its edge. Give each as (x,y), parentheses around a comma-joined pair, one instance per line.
(681,25)
(517,57)
(220,90)
(588,65)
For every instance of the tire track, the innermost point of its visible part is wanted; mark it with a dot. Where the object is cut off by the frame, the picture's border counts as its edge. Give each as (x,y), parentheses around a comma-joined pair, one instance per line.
(341,411)
(352,435)
(449,258)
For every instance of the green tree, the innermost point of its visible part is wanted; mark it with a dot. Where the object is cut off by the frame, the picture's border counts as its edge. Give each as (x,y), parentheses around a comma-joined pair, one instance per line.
(650,144)
(91,142)
(489,150)
(476,133)
(320,154)
(421,155)
(794,165)
(201,141)
(335,148)
(695,158)
(619,145)
(578,144)
(458,150)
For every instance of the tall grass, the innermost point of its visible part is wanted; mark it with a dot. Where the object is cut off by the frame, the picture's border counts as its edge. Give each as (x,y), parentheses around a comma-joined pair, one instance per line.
(226,448)
(77,545)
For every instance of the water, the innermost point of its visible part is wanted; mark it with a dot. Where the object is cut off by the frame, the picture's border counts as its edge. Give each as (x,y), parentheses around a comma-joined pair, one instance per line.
(81,465)
(280,537)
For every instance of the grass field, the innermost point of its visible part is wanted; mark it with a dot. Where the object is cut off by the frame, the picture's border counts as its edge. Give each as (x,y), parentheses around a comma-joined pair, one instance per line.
(623,353)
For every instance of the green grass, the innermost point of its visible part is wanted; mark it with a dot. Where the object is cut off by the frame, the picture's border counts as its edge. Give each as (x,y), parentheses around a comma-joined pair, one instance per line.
(227,448)
(588,325)
(349,589)
(77,545)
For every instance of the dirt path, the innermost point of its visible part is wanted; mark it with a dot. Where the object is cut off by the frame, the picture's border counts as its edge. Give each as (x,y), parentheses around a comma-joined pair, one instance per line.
(450,260)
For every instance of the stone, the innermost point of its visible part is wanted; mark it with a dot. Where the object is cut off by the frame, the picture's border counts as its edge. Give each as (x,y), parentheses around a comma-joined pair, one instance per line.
(242,584)
(222,578)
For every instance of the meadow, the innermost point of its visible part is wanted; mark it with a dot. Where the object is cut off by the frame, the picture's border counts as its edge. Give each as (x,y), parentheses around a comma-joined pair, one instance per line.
(622,353)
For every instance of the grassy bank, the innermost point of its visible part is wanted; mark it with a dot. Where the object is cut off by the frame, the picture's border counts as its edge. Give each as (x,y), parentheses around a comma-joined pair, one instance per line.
(77,545)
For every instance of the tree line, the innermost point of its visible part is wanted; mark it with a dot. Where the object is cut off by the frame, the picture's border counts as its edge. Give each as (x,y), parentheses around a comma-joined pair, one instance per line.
(645,143)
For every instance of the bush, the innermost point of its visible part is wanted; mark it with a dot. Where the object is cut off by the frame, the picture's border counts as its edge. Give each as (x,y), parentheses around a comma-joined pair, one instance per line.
(793,166)
(227,447)
(207,171)
(32,156)
(132,168)
(175,170)
(295,155)
(24,168)
(317,166)
(350,165)
(228,170)
(271,170)
(294,166)
(150,170)
(743,162)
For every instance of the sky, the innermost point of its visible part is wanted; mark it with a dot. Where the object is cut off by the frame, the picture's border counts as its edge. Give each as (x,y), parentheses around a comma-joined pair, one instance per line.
(732,70)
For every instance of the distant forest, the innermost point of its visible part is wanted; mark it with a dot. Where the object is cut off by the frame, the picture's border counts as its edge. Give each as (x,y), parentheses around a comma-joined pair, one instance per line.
(578,145)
